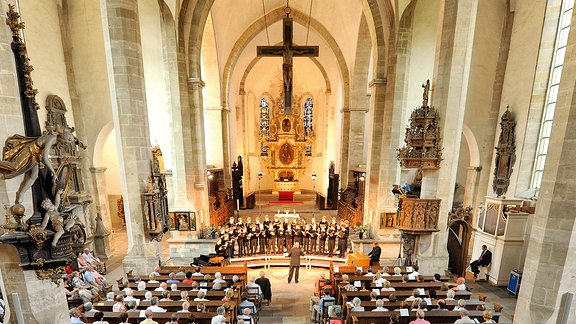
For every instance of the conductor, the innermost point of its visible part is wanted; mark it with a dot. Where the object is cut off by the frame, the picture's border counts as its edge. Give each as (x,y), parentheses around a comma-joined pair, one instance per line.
(484,260)
(294,256)
(375,254)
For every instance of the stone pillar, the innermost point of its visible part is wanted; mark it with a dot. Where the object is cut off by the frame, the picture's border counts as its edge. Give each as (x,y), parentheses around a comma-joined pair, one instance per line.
(450,93)
(42,301)
(130,117)
(345,148)
(243,148)
(196,158)
(550,262)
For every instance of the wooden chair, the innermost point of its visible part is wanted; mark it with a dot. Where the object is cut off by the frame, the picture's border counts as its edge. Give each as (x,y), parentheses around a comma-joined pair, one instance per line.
(256,315)
(325,318)
(481,297)
(254,296)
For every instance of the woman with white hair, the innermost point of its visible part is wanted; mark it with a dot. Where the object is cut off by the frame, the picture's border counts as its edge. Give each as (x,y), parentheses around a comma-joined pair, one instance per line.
(142,286)
(201,294)
(356,305)
(218,277)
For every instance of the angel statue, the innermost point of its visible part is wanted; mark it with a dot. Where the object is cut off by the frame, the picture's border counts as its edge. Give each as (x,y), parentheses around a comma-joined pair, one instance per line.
(23,155)
(59,225)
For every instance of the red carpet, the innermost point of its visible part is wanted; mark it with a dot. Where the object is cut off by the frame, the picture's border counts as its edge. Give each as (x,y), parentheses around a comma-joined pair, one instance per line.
(285,202)
(286,197)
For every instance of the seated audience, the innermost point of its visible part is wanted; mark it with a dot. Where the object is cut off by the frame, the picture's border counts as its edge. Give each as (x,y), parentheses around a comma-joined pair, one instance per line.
(461,305)
(165,296)
(188,278)
(380,306)
(487,315)
(356,305)
(172,279)
(219,318)
(246,303)
(185,307)
(319,308)
(149,314)
(98,318)
(154,306)
(464,319)
(265,286)
(387,287)
(245,317)
(420,318)
(201,296)
(119,306)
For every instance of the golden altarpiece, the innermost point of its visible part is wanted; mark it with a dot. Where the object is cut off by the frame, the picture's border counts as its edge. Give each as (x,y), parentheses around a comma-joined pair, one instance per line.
(286,142)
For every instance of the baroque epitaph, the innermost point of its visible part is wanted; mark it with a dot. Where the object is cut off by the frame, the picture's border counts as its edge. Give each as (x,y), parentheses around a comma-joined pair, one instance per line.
(288,50)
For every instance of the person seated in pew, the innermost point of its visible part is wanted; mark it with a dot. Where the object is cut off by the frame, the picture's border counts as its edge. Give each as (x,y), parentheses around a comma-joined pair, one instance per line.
(217,286)
(130,296)
(152,278)
(319,308)
(415,296)
(394,319)
(358,272)
(356,307)
(461,305)
(450,295)
(75,315)
(432,294)
(110,296)
(367,286)
(380,306)
(201,296)
(141,286)
(397,271)
(89,308)
(419,304)
(459,285)
(487,316)
(172,278)
(415,272)
(369,273)
(124,318)
(131,307)
(373,296)
(437,278)
(246,303)
(175,317)
(98,318)
(392,298)
(197,272)
(387,287)
(194,288)
(385,272)
(229,300)
(154,306)
(156,271)
(185,307)
(420,318)
(405,279)
(219,318)
(245,317)
(420,278)
(441,306)
(378,280)
(163,287)
(207,278)
(149,314)
(173,287)
(148,295)
(188,278)
(165,296)
(218,278)
(181,273)
(345,279)
(464,319)
(184,296)
(119,306)
(350,286)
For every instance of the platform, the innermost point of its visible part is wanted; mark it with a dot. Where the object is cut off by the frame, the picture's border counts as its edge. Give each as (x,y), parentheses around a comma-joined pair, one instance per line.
(307,261)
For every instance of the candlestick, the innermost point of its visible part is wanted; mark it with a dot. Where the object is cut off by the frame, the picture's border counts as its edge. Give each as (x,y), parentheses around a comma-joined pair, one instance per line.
(238,204)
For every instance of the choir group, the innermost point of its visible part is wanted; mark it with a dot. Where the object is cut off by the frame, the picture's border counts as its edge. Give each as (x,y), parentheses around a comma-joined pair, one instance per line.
(278,236)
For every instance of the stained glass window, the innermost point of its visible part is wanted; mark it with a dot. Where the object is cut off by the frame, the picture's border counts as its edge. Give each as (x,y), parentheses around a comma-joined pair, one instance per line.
(308,114)
(264,124)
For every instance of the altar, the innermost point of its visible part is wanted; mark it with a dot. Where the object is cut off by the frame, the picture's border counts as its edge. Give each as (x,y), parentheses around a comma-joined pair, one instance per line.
(292,216)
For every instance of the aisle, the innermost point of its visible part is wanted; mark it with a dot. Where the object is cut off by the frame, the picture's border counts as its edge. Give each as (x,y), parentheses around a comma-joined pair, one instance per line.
(290,302)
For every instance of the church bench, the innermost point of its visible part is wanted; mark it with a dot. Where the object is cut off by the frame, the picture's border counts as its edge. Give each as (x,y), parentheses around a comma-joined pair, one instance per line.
(402,295)
(210,294)
(170,306)
(393,306)
(431,316)
(184,286)
(338,277)
(163,277)
(234,270)
(352,269)
(409,285)
(134,317)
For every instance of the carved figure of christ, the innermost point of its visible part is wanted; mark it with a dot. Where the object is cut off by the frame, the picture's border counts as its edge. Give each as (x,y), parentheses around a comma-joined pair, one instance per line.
(287,51)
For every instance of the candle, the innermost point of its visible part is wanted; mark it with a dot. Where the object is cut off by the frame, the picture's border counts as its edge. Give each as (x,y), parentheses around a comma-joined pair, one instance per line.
(238,204)
(278,211)
(294,212)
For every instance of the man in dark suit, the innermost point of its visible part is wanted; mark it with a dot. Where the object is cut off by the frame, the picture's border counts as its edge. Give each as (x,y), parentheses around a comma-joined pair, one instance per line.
(375,254)
(294,255)
(484,260)
(265,285)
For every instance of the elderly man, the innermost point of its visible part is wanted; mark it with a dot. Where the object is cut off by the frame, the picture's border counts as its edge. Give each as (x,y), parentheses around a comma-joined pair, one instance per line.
(220,318)
(420,318)
(149,314)
(75,315)
(172,278)
(265,286)
(253,285)
(154,306)
(464,319)
(89,257)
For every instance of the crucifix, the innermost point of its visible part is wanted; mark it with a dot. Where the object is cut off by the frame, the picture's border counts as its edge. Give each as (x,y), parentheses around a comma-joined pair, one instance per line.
(287,51)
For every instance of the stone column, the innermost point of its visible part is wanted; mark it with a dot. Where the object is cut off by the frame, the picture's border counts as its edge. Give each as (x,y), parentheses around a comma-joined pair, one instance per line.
(550,262)
(196,158)
(130,115)
(450,93)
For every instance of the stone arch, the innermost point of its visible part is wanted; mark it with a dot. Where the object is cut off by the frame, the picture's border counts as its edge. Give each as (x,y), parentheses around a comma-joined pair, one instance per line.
(99,143)
(472,145)
(272,17)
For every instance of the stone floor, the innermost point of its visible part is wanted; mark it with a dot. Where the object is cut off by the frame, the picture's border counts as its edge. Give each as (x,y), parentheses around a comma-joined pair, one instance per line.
(290,302)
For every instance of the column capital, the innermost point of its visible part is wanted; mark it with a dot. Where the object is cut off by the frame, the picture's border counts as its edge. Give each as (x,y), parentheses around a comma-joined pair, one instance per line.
(375,82)
(98,169)
(197,81)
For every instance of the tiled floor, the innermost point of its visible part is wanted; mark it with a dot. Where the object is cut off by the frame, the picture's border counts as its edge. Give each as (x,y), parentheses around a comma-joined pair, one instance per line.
(290,302)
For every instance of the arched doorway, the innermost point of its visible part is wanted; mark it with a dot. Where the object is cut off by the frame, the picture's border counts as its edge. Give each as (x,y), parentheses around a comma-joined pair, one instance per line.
(459,233)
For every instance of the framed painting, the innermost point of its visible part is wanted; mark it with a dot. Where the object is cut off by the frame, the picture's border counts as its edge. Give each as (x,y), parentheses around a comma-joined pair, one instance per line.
(172,224)
(192,222)
(182,221)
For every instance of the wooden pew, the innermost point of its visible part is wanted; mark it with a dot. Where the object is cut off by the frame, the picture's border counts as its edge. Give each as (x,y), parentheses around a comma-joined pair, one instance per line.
(169,306)
(402,295)
(392,279)
(165,270)
(199,318)
(431,316)
(183,286)
(210,294)
(162,278)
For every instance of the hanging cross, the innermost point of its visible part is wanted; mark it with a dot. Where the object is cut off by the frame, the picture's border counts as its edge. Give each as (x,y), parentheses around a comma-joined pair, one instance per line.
(287,51)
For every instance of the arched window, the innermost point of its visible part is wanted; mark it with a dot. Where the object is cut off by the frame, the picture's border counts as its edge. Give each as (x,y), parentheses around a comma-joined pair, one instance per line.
(308,114)
(552,92)
(264,124)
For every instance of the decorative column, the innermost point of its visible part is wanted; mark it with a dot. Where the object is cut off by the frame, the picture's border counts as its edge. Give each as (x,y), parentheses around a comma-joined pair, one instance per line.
(130,117)
(450,94)
(550,260)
